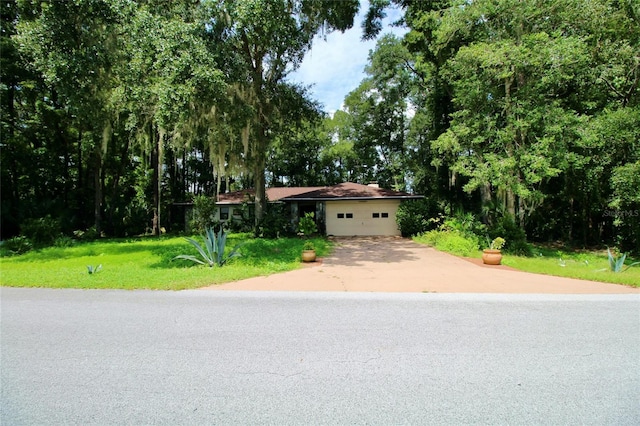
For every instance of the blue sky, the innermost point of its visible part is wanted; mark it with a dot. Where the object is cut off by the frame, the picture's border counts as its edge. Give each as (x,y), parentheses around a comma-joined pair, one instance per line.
(336,66)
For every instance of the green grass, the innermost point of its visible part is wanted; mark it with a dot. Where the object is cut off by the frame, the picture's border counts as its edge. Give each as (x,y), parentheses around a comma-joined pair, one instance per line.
(146,263)
(584,265)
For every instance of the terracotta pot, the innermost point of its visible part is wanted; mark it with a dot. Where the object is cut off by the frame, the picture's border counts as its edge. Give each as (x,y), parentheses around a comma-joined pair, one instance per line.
(308,255)
(491,257)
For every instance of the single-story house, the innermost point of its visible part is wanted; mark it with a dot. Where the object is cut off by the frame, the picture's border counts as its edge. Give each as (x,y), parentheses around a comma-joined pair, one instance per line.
(345,209)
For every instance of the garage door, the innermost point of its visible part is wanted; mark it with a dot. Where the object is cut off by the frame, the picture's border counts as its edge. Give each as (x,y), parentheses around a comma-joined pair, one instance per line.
(372,217)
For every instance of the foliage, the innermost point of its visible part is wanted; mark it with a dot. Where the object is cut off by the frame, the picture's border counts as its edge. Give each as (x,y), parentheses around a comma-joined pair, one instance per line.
(450,241)
(464,223)
(115,113)
(64,241)
(515,236)
(307,224)
(212,251)
(416,216)
(204,213)
(87,235)
(42,231)
(624,206)
(308,245)
(616,264)
(275,222)
(145,263)
(497,243)
(16,245)
(94,269)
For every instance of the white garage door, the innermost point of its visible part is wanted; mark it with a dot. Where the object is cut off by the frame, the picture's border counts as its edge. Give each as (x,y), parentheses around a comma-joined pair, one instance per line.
(372,217)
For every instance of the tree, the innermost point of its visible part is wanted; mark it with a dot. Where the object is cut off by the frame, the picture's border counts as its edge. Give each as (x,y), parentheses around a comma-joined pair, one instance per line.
(76,48)
(272,37)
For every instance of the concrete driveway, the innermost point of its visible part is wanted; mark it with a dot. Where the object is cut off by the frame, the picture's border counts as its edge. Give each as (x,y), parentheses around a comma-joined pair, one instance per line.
(393,264)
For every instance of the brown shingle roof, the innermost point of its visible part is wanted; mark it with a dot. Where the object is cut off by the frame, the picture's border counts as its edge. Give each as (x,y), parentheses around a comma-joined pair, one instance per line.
(273,194)
(350,190)
(347,190)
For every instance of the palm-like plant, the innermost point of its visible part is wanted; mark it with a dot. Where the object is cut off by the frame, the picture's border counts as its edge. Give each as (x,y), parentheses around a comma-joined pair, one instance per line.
(212,251)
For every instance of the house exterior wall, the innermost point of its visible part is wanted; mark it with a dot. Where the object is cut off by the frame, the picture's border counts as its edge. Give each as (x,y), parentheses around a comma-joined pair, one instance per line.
(370,217)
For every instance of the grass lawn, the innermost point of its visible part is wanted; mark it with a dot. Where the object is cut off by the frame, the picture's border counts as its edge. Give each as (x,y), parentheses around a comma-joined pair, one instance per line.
(584,265)
(146,263)
(580,264)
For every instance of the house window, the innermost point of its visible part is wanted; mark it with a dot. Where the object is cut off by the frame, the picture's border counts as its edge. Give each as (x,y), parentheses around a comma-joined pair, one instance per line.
(224,213)
(375,215)
(349,215)
(340,215)
(385,214)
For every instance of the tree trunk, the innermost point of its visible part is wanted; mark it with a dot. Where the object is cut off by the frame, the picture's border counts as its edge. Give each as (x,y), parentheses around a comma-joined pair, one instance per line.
(156,156)
(101,151)
(97,199)
(485,199)
(260,188)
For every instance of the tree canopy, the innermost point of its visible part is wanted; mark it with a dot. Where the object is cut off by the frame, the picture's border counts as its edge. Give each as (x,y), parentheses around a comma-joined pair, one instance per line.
(117,112)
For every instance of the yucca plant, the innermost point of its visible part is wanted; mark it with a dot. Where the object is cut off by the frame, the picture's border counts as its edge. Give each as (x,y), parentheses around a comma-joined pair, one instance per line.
(616,264)
(212,251)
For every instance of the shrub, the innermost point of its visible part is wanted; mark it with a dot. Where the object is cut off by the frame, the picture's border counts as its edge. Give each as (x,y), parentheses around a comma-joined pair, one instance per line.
(414,217)
(466,224)
(307,225)
(275,222)
(451,241)
(88,235)
(16,245)
(42,231)
(63,241)
(204,213)
(516,238)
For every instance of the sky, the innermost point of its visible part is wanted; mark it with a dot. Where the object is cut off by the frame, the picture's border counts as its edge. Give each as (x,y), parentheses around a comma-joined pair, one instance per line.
(335,67)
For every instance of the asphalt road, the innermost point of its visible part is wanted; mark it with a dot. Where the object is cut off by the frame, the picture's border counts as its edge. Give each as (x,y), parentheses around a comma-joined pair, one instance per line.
(202,357)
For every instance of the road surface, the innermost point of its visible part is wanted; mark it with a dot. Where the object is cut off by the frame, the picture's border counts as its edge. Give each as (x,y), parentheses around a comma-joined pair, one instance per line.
(202,357)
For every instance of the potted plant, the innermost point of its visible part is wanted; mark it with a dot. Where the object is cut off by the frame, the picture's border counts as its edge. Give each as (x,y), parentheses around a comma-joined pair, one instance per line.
(308,252)
(493,255)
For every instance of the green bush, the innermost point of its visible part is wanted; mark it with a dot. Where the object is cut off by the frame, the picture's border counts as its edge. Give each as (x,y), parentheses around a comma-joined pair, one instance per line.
(63,241)
(90,234)
(415,217)
(451,241)
(515,236)
(307,225)
(42,231)
(204,213)
(465,224)
(275,222)
(16,245)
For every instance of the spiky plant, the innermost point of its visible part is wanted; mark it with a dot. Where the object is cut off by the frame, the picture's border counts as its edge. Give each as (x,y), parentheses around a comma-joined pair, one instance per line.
(212,251)
(616,264)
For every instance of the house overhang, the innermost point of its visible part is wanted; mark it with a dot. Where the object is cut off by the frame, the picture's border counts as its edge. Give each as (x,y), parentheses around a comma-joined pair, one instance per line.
(400,197)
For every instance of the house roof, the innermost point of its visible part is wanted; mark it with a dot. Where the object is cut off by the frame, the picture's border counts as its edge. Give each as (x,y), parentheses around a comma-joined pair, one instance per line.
(343,191)
(273,194)
(350,191)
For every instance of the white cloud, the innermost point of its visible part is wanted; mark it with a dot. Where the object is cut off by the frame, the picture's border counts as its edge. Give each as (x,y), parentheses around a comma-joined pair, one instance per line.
(335,67)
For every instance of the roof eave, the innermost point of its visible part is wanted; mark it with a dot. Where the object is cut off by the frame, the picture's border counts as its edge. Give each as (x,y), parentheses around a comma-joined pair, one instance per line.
(391,197)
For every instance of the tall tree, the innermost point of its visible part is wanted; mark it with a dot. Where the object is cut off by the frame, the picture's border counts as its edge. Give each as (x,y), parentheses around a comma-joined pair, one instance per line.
(272,37)
(75,46)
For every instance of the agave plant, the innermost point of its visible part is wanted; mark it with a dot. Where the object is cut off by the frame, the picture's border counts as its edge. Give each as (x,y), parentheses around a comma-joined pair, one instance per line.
(94,269)
(212,251)
(616,264)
